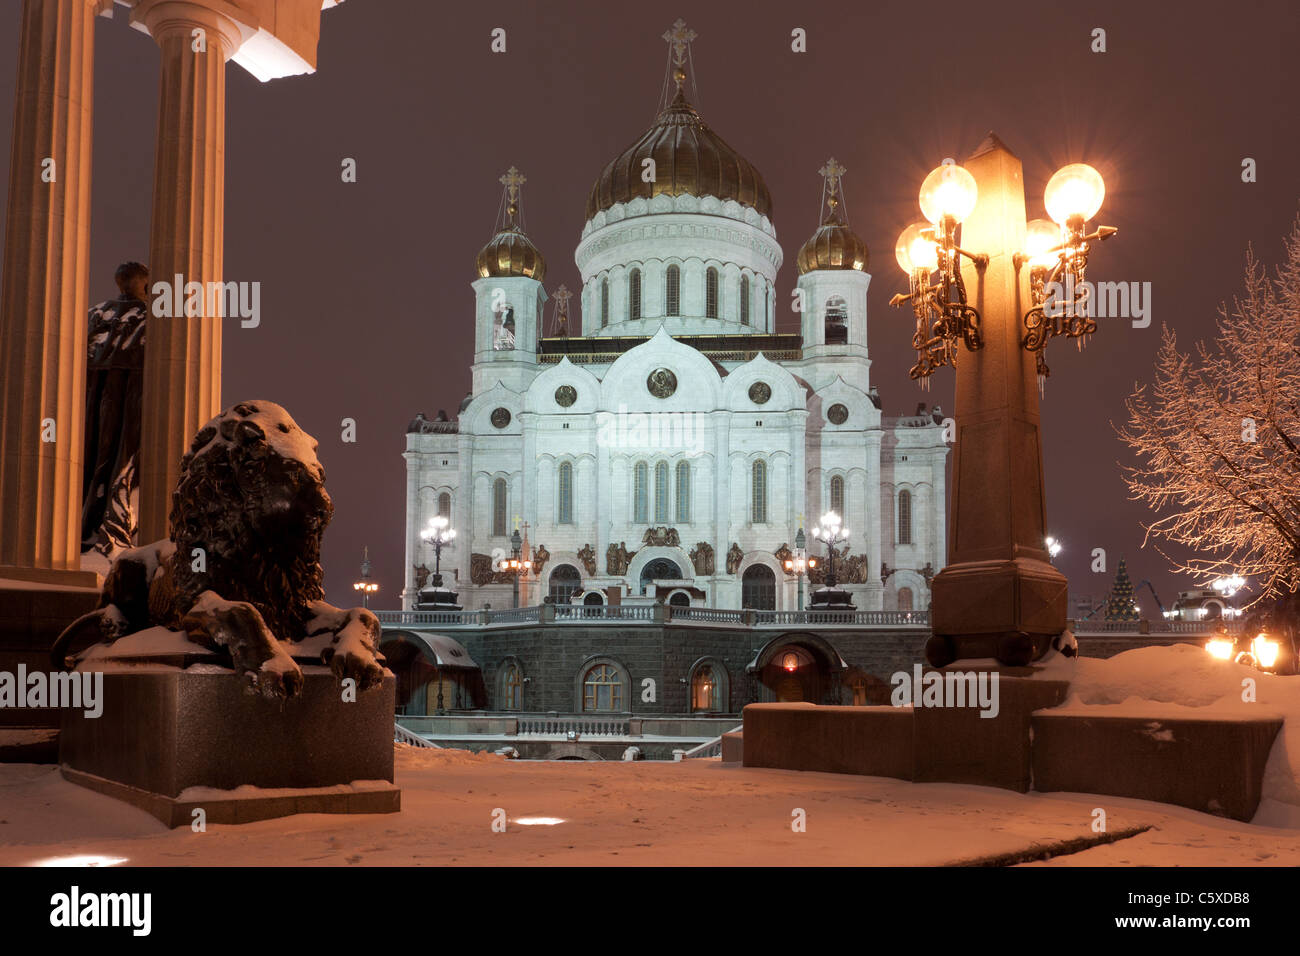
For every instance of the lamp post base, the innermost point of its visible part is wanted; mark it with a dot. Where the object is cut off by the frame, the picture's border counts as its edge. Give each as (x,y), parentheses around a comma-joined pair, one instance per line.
(1008,610)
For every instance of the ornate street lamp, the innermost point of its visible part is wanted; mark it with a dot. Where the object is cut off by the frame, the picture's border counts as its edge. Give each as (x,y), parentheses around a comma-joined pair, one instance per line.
(1057,253)
(943,317)
(438,533)
(799,563)
(1000,595)
(515,565)
(365,585)
(831,533)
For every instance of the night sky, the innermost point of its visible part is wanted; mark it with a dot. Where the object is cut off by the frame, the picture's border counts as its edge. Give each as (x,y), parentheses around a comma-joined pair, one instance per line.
(367,311)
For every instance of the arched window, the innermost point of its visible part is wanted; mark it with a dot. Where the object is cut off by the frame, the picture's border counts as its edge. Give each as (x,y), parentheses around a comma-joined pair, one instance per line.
(512,687)
(602,689)
(673,291)
(905,599)
(683,492)
(640,493)
(634,294)
(660,569)
(744,300)
(565,582)
(904,517)
(503,328)
(758,505)
(499,507)
(837,495)
(837,316)
(564,512)
(758,588)
(604,302)
(444,505)
(661,491)
(680,599)
(711,293)
(767,304)
(706,691)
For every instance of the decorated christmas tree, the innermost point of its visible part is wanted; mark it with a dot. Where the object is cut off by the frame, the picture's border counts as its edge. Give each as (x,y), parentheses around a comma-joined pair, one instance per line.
(1120,605)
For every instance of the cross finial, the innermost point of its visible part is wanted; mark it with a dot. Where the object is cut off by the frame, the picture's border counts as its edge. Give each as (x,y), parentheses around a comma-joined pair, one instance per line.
(831,175)
(512,180)
(680,37)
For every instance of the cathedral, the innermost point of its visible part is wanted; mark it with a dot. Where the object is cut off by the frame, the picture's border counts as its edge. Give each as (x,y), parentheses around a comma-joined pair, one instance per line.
(667,443)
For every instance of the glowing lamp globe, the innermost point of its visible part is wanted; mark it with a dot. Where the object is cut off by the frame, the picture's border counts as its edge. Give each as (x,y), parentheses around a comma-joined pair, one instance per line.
(790,662)
(915,252)
(1074,190)
(1041,236)
(948,191)
(1265,651)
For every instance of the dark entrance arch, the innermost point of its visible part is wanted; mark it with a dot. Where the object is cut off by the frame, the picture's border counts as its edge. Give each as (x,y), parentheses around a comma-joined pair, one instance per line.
(758,588)
(798,667)
(660,569)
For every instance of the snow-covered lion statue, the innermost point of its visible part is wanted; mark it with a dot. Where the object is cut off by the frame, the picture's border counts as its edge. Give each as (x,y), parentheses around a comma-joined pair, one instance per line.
(241,572)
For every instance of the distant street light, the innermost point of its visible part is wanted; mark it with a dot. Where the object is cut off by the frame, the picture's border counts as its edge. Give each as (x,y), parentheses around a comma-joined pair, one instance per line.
(365,585)
(832,533)
(800,563)
(516,565)
(437,534)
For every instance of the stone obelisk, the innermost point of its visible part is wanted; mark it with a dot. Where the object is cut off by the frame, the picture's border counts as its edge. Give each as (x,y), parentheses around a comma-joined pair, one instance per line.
(999,596)
(44,299)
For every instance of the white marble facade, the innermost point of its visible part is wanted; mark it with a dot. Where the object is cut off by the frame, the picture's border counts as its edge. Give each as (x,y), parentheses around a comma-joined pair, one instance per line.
(761,434)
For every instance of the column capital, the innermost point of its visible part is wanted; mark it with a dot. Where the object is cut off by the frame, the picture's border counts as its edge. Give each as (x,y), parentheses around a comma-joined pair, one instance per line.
(220,19)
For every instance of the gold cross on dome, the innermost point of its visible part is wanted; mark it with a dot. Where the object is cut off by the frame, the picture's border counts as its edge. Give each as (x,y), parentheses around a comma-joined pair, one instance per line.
(832,172)
(680,36)
(562,297)
(512,180)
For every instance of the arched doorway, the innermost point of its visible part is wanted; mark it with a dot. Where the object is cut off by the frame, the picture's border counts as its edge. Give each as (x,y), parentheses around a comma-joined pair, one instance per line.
(798,667)
(758,588)
(565,582)
(679,599)
(660,569)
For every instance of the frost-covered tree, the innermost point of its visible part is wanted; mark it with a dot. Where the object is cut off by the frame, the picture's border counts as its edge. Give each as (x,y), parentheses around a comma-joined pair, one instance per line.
(1217,435)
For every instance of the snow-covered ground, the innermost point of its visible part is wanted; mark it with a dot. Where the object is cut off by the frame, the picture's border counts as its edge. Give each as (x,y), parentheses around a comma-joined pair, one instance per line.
(697,812)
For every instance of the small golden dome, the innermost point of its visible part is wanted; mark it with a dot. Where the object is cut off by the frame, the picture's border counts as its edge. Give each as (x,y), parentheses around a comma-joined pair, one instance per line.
(834,245)
(510,253)
(690,159)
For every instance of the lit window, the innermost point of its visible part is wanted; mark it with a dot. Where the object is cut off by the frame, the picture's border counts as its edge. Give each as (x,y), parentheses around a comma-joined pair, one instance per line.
(706,691)
(602,689)
(512,687)
(905,599)
(673,291)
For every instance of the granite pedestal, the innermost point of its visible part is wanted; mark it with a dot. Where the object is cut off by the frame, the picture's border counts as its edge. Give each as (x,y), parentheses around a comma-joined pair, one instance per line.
(170,740)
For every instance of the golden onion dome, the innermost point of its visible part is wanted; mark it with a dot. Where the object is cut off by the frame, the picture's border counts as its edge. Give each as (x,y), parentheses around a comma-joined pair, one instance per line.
(510,252)
(689,159)
(834,245)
